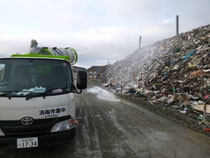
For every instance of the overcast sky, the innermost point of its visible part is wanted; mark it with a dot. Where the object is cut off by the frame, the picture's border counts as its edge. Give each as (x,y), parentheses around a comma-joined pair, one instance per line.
(100,30)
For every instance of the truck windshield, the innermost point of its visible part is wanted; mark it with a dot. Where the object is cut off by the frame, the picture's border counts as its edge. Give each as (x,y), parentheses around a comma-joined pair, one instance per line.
(28,77)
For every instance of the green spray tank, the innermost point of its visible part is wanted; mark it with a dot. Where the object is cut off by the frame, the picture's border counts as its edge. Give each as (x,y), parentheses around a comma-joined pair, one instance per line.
(67,53)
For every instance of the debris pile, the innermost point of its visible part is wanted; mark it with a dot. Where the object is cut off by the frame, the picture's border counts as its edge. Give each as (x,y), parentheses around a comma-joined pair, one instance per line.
(174,72)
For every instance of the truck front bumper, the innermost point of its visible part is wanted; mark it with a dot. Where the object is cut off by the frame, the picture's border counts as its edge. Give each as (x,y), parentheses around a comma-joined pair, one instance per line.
(43,140)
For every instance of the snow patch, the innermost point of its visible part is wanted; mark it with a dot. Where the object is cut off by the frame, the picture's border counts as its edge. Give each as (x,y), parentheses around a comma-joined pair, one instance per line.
(103,94)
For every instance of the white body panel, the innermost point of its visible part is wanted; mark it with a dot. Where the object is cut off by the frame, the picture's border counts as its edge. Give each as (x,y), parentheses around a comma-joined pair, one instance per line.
(17,108)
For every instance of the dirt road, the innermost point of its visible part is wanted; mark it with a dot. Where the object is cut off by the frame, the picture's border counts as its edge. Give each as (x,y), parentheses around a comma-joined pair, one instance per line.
(111,127)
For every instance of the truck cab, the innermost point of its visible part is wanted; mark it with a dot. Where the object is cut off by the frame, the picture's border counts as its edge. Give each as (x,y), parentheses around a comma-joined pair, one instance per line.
(37,101)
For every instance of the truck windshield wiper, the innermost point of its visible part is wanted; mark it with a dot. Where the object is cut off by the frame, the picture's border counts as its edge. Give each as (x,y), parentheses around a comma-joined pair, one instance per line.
(36,95)
(47,92)
(5,95)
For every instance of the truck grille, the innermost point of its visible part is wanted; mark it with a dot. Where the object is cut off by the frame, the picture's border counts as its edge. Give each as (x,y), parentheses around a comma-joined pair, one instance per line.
(39,127)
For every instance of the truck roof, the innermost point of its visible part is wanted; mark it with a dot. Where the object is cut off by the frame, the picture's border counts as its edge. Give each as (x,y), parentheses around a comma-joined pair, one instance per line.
(38,56)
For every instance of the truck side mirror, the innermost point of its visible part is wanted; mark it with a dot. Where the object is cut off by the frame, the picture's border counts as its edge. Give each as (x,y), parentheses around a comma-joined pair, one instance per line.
(81,79)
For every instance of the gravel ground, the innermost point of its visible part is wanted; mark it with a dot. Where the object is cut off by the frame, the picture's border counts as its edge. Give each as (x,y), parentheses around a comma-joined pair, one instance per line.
(186,119)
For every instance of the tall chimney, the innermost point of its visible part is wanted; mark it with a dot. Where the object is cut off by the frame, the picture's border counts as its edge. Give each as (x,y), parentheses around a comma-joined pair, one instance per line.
(139,41)
(177,25)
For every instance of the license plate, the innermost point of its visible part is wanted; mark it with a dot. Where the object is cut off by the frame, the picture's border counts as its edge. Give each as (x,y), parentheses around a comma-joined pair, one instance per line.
(27,142)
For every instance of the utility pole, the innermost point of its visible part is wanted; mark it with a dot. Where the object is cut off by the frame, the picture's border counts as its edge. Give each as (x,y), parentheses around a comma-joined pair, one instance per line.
(139,41)
(177,25)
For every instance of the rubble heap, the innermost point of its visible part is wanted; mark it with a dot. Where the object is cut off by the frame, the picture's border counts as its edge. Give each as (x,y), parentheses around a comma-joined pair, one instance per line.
(174,72)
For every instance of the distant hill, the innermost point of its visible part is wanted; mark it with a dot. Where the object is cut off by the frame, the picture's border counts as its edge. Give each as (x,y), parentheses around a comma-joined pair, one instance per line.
(97,71)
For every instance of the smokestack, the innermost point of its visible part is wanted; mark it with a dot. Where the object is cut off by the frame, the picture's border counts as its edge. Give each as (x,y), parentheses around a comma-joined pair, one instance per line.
(139,41)
(177,25)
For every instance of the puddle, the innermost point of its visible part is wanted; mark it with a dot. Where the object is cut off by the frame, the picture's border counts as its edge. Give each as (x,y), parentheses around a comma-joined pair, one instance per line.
(103,94)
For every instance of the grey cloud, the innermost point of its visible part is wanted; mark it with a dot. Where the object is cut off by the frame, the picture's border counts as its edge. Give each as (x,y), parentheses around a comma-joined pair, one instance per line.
(111,35)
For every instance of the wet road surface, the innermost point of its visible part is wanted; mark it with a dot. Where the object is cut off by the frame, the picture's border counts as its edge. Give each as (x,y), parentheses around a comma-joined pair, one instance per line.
(111,127)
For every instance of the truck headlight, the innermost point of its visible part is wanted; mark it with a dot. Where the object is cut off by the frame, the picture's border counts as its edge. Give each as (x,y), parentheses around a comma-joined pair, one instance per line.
(64,125)
(1,133)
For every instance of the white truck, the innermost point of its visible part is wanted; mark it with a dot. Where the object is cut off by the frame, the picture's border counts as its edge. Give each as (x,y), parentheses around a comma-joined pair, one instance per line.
(37,102)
